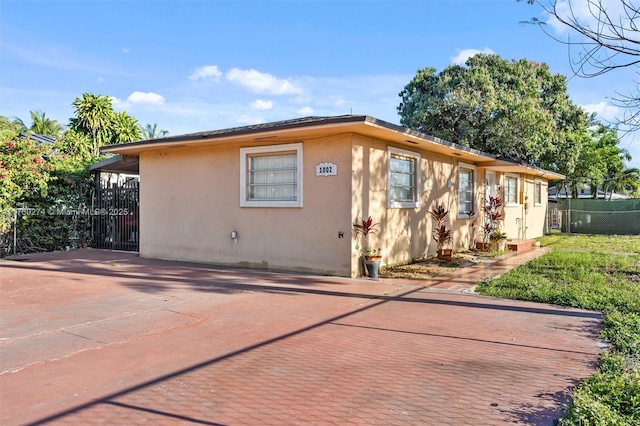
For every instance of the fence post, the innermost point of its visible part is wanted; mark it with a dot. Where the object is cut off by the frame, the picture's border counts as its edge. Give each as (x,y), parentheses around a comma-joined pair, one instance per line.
(569,215)
(15,230)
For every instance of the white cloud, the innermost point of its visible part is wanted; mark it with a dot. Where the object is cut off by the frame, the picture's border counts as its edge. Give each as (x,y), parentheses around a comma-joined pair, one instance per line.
(464,54)
(262,104)
(101,79)
(149,98)
(604,110)
(260,82)
(307,110)
(118,104)
(207,72)
(137,98)
(126,50)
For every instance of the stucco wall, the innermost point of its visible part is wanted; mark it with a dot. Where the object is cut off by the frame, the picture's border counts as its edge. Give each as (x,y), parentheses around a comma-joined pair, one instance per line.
(190,204)
(405,233)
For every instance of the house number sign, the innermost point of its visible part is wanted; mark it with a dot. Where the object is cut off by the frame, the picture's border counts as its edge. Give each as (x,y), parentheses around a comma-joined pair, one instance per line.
(326,169)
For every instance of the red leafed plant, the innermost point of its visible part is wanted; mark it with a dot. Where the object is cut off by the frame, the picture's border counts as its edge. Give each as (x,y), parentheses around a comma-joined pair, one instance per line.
(441,235)
(493,216)
(365,227)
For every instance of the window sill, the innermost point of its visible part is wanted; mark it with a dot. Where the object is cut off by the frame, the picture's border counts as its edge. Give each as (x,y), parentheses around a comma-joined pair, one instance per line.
(273,204)
(403,205)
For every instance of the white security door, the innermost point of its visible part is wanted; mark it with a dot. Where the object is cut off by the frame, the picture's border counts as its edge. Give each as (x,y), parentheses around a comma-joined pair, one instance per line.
(490,184)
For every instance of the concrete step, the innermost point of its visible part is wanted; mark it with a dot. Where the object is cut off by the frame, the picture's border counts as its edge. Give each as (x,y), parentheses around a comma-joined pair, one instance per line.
(521,245)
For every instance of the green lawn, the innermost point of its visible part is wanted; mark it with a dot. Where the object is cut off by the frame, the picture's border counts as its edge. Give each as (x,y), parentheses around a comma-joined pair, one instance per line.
(599,273)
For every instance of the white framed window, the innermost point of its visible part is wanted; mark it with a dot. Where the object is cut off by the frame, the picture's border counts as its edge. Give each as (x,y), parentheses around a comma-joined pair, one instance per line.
(271,176)
(403,189)
(466,190)
(510,190)
(537,193)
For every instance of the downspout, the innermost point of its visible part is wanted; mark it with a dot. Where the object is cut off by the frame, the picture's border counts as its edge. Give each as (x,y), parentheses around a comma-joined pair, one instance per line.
(524,207)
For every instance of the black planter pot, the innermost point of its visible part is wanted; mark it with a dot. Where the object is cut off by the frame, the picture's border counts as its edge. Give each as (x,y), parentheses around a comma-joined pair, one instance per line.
(372,263)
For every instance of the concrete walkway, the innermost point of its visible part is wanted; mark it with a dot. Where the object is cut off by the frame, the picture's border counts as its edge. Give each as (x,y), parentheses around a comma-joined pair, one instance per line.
(96,337)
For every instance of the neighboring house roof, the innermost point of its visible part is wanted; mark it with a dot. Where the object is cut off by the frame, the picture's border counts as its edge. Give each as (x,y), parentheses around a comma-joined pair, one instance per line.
(310,127)
(39,139)
(585,193)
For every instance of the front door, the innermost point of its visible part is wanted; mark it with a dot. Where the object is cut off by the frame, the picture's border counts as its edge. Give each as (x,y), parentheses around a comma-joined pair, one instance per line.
(490,190)
(490,184)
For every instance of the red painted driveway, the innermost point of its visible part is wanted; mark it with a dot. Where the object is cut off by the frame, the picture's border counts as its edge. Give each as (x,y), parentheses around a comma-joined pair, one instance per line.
(95,337)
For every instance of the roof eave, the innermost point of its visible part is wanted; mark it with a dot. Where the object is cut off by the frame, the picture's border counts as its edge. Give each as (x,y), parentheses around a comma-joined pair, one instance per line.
(509,166)
(258,132)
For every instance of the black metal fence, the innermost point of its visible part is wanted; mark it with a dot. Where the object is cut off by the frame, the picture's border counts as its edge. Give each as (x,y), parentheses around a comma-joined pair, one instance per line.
(115,223)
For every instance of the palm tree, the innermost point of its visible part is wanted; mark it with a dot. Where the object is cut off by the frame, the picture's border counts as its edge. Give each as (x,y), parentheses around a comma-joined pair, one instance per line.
(93,115)
(627,181)
(125,128)
(41,125)
(152,132)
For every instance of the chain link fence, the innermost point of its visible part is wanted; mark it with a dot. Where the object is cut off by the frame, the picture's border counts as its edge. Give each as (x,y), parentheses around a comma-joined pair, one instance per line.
(34,230)
(619,217)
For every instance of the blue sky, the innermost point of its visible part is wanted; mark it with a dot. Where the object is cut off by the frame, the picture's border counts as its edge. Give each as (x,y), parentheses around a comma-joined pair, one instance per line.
(201,65)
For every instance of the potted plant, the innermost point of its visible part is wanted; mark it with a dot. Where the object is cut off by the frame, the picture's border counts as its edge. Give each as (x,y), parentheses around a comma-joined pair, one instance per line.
(472,229)
(498,240)
(441,235)
(371,256)
(493,217)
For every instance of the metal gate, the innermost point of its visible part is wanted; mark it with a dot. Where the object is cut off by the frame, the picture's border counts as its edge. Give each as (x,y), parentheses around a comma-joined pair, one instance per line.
(115,217)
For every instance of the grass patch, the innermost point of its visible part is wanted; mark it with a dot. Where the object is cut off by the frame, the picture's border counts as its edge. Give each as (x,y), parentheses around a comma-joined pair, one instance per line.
(599,273)
(593,243)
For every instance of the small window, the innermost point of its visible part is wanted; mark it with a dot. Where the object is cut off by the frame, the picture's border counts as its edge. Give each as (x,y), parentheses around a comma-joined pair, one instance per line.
(537,193)
(271,176)
(404,179)
(466,190)
(510,190)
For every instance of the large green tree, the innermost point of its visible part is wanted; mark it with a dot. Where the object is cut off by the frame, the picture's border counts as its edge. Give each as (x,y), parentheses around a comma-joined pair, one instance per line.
(125,128)
(76,145)
(516,109)
(95,117)
(519,110)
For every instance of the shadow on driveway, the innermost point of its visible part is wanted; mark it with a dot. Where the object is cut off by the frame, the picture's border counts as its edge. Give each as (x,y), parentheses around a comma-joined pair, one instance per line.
(340,351)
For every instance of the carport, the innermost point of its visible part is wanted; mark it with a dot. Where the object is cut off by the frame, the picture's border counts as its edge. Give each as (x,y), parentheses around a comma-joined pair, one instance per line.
(115,224)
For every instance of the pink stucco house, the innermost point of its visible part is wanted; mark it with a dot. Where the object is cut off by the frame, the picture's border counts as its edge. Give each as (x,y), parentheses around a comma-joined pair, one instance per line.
(284,195)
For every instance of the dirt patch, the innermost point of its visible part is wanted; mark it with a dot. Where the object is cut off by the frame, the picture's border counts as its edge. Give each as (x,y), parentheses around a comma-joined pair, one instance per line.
(430,267)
